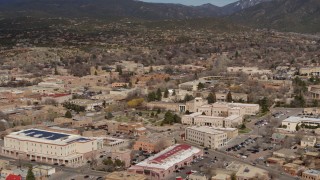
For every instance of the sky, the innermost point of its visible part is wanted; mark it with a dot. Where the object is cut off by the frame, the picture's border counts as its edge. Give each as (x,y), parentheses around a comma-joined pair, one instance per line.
(194,2)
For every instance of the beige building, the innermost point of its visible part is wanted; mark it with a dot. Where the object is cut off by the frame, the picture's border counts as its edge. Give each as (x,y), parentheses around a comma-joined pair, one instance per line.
(112,143)
(87,103)
(311,175)
(222,97)
(308,141)
(246,172)
(212,121)
(311,110)
(81,121)
(221,177)
(94,133)
(286,153)
(153,143)
(206,136)
(314,91)
(292,122)
(248,70)
(197,176)
(123,155)
(50,147)
(310,71)
(124,175)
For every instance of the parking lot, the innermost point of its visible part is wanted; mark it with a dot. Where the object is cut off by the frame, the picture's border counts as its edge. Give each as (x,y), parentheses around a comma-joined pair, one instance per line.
(200,165)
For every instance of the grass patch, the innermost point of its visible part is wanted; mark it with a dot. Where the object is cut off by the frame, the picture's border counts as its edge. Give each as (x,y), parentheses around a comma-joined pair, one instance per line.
(244,131)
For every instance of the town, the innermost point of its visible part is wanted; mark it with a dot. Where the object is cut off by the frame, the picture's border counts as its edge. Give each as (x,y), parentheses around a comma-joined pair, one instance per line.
(138,100)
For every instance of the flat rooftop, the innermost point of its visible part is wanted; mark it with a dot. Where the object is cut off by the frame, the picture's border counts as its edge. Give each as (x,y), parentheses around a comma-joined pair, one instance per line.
(169,157)
(206,129)
(312,171)
(296,119)
(44,136)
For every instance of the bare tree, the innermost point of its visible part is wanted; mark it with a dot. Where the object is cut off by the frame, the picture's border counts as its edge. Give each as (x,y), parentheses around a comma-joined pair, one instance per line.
(51,102)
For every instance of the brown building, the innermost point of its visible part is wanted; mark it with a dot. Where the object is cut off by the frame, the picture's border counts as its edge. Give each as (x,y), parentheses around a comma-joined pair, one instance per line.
(153,143)
(311,175)
(131,128)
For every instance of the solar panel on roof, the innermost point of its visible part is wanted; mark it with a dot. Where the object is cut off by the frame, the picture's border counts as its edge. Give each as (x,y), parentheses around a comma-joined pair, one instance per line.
(44,134)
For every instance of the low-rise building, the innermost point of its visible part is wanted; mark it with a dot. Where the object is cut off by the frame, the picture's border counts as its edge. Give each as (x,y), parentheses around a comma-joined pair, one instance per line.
(311,175)
(221,177)
(291,123)
(94,133)
(248,70)
(309,71)
(213,121)
(206,136)
(286,153)
(197,176)
(153,143)
(162,165)
(124,175)
(308,141)
(131,128)
(50,147)
(89,104)
(292,169)
(245,171)
(112,143)
(59,98)
(222,97)
(123,155)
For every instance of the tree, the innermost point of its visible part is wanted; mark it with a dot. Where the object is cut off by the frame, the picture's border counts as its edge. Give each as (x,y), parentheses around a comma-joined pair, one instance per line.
(104,104)
(237,54)
(119,70)
(174,93)
(233,176)
(315,103)
(150,69)
(151,96)
(135,102)
(201,86)
(229,97)
(119,163)
(211,98)
(170,118)
(264,105)
(95,73)
(297,127)
(188,97)
(107,161)
(68,114)
(166,93)
(159,94)
(30,175)
(109,115)
(56,71)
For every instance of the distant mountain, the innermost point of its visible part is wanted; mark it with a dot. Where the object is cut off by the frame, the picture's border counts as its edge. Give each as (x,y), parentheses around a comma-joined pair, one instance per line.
(240,5)
(104,9)
(285,15)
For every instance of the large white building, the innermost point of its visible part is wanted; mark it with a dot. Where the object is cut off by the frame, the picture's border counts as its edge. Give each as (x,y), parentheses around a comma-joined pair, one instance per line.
(162,165)
(206,136)
(51,147)
(292,122)
(220,114)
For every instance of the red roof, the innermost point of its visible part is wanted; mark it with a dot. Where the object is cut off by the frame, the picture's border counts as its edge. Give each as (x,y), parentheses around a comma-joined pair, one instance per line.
(13,177)
(179,148)
(57,95)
